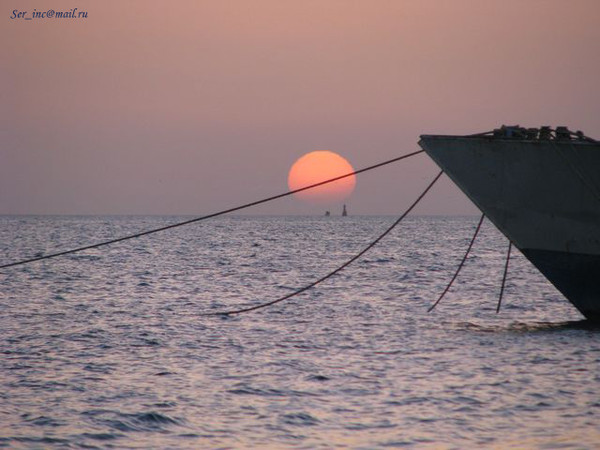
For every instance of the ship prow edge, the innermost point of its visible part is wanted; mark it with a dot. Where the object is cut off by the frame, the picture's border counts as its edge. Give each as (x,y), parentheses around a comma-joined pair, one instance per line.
(541,189)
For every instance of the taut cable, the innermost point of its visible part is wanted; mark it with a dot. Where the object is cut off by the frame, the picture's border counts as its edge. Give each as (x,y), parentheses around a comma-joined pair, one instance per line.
(209,216)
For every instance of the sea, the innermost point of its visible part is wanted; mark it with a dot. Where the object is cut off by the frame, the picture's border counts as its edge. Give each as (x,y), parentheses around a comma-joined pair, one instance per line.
(110,347)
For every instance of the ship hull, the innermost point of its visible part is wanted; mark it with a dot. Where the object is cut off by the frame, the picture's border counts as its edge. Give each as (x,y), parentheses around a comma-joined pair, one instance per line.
(544,195)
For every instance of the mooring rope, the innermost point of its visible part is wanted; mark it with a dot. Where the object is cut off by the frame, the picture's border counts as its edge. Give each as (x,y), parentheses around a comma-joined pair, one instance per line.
(504,277)
(460,266)
(333,272)
(209,216)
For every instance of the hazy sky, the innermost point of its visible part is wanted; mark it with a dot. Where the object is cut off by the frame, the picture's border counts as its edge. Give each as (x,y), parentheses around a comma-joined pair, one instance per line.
(194,106)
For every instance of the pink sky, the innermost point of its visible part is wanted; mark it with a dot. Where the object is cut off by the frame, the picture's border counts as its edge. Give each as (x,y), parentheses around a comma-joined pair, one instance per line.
(189,107)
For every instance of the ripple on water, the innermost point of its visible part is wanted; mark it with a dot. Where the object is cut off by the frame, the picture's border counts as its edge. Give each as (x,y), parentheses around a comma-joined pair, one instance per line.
(136,422)
(262,392)
(44,421)
(300,419)
(40,440)
(320,378)
(110,351)
(101,436)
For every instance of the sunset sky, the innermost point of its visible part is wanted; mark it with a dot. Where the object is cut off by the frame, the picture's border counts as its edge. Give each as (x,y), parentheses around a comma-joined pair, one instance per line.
(188,107)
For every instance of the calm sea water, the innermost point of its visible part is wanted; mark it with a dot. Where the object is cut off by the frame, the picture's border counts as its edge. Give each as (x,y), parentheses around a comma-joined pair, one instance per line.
(107,348)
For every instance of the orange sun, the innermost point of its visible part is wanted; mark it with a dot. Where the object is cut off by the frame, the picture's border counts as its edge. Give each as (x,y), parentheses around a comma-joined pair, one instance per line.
(318,166)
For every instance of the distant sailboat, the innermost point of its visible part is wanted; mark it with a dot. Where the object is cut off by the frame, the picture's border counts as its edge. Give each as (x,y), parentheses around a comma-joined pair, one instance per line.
(327,213)
(344,212)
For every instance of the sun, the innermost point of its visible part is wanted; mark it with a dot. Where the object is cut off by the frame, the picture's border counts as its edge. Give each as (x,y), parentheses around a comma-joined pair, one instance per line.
(318,166)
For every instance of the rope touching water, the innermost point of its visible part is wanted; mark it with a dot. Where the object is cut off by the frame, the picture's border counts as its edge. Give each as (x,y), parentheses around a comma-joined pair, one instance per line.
(332,273)
(504,277)
(460,266)
(209,216)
